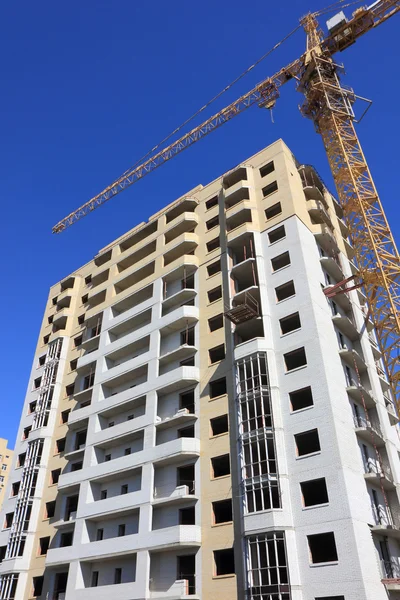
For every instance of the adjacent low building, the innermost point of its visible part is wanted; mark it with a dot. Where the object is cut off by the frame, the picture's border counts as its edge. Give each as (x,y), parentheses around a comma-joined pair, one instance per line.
(204,419)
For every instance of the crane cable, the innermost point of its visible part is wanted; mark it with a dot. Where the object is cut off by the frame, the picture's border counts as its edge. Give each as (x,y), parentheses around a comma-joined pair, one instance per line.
(225,89)
(236,80)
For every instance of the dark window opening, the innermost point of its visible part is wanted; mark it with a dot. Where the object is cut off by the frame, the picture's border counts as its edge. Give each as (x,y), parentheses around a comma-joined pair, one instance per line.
(42,360)
(26,432)
(285,290)
(44,543)
(214,268)
(32,406)
(307,442)
(278,262)
(215,294)
(188,362)
(219,425)
(103,494)
(77,466)
(213,244)
(3,550)
(99,535)
(81,319)
(8,519)
(290,323)
(80,439)
(55,476)
(66,539)
(186,432)
(295,359)
(216,322)
(50,509)
(88,381)
(301,399)
(222,511)
(107,457)
(73,364)
(95,578)
(187,336)
(69,389)
(224,562)
(60,445)
(15,488)
(46,339)
(212,202)
(78,341)
(216,354)
(124,489)
(54,300)
(127,451)
(322,548)
(270,189)
(314,492)
(212,223)
(220,466)
(85,298)
(37,586)
(88,279)
(117,575)
(217,387)
(187,516)
(277,234)
(21,459)
(267,169)
(64,416)
(121,530)
(273,211)
(186,400)
(36,383)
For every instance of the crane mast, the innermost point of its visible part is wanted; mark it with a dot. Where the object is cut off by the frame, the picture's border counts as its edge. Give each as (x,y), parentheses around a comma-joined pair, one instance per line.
(329,105)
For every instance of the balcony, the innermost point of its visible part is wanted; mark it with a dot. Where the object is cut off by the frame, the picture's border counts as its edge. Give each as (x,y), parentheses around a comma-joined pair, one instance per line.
(178,589)
(238,219)
(170,494)
(179,207)
(387,530)
(312,185)
(342,299)
(332,266)
(136,257)
(374,347)
(318,212)
(392,412)
(182,536)
(360,393)
(182,245)
(346,326)
(138,276)
(182,415)
(367,430)
(382,377)
(60,318)
(141,233)
(183,223)
(373,474)
(325,238)
(351,356)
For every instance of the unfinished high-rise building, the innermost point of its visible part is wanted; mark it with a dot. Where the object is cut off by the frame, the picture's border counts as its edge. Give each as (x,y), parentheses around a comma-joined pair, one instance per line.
(206,418)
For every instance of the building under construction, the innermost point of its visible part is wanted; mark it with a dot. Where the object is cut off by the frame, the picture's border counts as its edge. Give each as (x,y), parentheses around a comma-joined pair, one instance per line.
(207,417)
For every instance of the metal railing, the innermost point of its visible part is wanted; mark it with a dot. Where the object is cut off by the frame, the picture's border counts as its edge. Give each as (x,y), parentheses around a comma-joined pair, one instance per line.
(363,422)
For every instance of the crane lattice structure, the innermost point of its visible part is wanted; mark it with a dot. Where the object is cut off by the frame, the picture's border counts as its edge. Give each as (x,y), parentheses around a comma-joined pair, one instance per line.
(329,104)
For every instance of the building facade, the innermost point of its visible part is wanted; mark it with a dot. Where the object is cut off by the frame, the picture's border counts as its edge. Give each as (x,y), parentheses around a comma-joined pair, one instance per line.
(202,419)
(5,465)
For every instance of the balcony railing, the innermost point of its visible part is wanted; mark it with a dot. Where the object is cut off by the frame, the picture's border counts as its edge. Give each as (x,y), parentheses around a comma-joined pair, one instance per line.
(363,422)
(390,569)
(184,488)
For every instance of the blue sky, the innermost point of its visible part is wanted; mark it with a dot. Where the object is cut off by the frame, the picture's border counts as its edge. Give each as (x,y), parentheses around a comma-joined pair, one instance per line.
(88,87)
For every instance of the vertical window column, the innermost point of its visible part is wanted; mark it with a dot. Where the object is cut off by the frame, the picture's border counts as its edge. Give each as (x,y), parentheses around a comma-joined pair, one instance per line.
(256,435)
(267,570)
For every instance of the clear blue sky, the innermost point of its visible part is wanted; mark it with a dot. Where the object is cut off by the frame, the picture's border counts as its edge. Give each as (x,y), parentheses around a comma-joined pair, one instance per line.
(88,87)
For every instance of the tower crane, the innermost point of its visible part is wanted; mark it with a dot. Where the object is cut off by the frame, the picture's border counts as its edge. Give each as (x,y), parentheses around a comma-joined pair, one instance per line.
(329,104)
